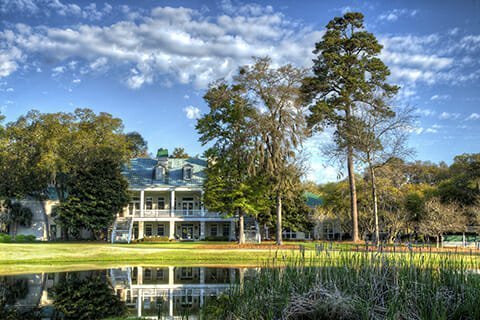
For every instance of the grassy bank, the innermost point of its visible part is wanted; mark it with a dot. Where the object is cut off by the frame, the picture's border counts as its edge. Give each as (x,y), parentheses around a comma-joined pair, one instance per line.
(357,286)
(45,257)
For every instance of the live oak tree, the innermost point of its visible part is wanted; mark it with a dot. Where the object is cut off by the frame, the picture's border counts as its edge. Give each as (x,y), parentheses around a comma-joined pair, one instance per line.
(346,72)
(280,124)
(233,184)
(47,150)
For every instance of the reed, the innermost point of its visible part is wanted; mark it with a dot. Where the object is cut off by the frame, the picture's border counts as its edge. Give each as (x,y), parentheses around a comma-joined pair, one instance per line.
(356,285)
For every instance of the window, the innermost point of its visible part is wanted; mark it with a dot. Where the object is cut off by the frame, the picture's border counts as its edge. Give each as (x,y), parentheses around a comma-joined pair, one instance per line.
(161,230)
(149,203)
(148,229)
(160,274)
(214,230)
(161,203)
(134,205)
(226,231)
(159,172)
(187,172)
(186,273)
(147,274)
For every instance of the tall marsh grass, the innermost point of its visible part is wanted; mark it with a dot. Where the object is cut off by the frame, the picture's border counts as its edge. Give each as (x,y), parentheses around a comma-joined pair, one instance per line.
(351,286)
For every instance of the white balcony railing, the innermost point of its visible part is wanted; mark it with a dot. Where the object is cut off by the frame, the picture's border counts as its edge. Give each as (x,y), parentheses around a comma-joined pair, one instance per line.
(153,213)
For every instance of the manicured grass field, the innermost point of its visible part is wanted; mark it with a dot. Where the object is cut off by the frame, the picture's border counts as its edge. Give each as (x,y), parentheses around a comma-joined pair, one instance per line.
(45,257)
(49,257)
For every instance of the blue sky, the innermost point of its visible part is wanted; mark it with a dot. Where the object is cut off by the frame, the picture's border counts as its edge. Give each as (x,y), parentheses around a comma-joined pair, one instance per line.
(149,62)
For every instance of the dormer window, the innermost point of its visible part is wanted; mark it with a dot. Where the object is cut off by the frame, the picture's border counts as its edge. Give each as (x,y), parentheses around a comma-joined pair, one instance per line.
(159,172)
(187,172)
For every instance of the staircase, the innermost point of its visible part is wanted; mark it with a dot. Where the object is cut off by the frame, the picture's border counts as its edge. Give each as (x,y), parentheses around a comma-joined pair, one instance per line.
(252,231)
(122,230)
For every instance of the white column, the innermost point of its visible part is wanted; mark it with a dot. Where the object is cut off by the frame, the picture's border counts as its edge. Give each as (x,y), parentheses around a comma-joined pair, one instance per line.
(171,230)
(139,275)
(171,275)
(202,275)
(141,230)
(232,230)
(170,303)
(202,208)
(202,230)
(139,303)
(142,202)
(172,203)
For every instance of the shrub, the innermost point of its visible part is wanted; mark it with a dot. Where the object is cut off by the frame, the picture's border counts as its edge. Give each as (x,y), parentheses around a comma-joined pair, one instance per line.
(5,238)
(25,238)
(216,238)
(156,239)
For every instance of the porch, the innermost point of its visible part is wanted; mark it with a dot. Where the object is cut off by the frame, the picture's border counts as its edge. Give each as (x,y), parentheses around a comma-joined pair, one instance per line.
(184,230)
(166,203)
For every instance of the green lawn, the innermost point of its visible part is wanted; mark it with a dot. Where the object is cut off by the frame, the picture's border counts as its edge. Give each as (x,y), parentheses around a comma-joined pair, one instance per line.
(49,257)
(42,257)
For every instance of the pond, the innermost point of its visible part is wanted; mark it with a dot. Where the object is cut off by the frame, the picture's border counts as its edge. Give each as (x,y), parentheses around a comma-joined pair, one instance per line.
(149,292)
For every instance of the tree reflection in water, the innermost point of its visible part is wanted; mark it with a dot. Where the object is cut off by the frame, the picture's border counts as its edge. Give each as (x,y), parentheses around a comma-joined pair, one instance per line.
(89,298)
(12,289)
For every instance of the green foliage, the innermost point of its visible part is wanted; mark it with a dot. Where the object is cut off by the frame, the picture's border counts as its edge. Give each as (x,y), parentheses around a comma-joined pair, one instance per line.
(348,75)
(463,185)
(232,184)
(25,238)
(5,238)
(46,149)
(355,287)
(216,238)
(136,144)
(98,193)
(86,299)
(179,153)
(15,214)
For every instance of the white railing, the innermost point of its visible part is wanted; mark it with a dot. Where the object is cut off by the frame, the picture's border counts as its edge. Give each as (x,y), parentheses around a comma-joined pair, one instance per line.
(154,213)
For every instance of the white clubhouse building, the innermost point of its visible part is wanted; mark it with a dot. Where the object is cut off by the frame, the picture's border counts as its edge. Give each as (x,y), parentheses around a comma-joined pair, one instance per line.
(167,202)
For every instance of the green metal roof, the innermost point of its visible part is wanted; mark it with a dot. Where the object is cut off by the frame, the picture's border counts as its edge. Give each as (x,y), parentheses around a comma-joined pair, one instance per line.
(140,173)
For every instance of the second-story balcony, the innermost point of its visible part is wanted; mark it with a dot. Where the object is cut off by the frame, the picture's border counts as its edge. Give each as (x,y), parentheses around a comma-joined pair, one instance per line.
(153,213)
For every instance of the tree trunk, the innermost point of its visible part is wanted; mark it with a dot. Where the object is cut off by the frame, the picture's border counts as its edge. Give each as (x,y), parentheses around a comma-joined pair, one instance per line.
(375,205)
(14,230)
(241,227)
(438,241)
(279,219)
(353,194)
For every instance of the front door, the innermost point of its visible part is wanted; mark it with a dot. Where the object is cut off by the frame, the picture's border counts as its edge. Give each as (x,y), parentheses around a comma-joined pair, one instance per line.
(187,231)
(187,207)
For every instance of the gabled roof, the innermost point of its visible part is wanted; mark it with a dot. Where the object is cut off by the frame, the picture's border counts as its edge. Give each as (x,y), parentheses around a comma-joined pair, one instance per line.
(140,172)
(313,200)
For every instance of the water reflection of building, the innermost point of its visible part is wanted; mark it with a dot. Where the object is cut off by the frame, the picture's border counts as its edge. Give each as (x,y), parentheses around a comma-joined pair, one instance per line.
(170,292)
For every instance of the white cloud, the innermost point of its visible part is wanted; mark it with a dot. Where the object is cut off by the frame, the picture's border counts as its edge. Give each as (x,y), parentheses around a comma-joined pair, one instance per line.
(394,14)
(173,44)
(448,115)
(9,59)
(473,116)
(431,130)
(76,81)
(192,112)
(440,97)
(425,112)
